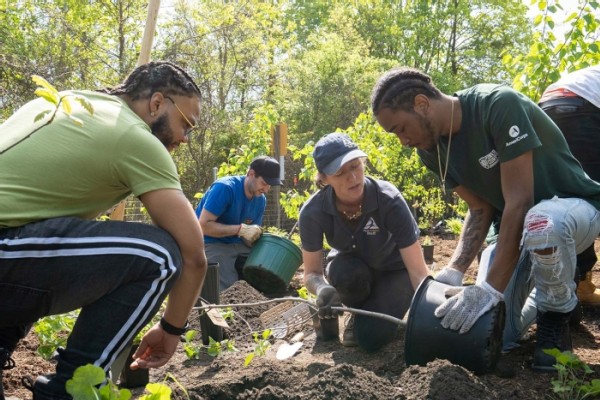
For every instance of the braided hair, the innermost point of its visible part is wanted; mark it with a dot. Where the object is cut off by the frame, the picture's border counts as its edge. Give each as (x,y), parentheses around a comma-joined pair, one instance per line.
(397,88)
(156,76)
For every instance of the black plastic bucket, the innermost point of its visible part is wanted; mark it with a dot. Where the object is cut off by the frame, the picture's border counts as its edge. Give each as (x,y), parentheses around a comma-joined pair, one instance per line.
(210,292)
(477,350)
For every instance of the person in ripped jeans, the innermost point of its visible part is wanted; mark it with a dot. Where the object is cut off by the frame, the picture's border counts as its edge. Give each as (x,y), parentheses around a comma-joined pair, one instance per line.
(56,176)
(509,162)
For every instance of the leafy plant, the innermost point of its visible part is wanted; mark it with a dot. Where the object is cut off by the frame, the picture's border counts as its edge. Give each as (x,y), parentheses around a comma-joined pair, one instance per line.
(427,241)
(83,385)
(303,293)
(52,332)
(86,379)
(262,345)
(50,94)
(571,383)
(454,225)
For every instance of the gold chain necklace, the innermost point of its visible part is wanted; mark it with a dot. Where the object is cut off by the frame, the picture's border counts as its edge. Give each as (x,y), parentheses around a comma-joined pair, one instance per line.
(353,216)
(443,174)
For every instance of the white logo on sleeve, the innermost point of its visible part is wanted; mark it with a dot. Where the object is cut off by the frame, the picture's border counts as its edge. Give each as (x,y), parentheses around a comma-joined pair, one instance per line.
(515,133)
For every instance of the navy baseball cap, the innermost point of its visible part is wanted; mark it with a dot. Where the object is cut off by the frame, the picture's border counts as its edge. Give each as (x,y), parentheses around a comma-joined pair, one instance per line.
(267,168)
(334,150)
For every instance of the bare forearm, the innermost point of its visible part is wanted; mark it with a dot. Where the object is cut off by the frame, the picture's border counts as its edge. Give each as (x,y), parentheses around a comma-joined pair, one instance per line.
(217,229)
(507,249)
(475,228)
(184,294)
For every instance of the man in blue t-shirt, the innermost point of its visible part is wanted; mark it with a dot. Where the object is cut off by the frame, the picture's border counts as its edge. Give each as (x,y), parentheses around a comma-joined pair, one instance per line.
(231,214)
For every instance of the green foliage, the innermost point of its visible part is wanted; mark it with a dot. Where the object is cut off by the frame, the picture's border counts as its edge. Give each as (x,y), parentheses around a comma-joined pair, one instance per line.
(303,293)
(552,51)
(51,95)
(52,332)
(427,241)
(454,225)
(86,379)
(261,346)
(83,385)
(572,382)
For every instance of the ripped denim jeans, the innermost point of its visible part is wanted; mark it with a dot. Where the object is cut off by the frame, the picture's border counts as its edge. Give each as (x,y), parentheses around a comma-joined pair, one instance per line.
(545,282)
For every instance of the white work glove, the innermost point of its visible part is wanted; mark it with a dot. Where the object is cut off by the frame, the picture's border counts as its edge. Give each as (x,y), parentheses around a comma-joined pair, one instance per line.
(461,311)
(450,276)
(249,233)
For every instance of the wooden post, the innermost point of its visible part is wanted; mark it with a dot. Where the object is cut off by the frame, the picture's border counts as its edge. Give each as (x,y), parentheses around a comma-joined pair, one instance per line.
(279,149)
(118,213)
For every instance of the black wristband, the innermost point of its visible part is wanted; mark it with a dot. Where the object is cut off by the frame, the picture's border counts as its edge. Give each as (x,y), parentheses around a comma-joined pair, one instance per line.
(173,330)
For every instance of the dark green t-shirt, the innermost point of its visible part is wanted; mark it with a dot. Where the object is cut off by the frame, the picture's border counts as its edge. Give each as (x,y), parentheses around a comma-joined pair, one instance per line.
(498,125)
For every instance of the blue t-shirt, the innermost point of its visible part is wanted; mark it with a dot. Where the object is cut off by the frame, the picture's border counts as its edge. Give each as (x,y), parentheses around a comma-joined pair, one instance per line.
(226,199)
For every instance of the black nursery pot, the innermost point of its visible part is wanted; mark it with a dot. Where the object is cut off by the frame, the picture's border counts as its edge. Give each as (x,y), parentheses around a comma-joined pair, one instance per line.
(130,378)
(210,292)
(477,350)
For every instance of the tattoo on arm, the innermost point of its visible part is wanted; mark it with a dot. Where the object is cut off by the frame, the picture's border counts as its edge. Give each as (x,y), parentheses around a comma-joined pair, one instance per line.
(471,238)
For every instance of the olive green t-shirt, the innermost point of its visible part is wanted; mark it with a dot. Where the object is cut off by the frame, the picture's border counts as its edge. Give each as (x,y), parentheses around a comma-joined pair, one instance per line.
(64,169)
(498,125)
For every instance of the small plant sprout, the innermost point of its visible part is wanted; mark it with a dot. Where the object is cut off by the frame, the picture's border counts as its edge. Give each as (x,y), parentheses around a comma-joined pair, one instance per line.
(571,383)
(304,294)
(83,385)
(262,345)
(427,241)
(50,94)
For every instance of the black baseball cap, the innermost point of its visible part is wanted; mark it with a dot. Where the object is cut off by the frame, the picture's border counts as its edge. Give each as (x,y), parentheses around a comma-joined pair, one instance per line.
(334,150)
(267,168)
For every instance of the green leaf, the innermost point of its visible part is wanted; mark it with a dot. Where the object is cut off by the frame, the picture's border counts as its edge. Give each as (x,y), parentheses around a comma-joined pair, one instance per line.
(248,359)
(158,391)
(66,105)
(41,115)
(47,95)
(85,104)
(83,384)
(38,80)
(76,121)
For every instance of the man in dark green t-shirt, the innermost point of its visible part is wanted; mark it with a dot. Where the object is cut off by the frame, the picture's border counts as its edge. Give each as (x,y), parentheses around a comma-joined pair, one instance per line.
(506,159)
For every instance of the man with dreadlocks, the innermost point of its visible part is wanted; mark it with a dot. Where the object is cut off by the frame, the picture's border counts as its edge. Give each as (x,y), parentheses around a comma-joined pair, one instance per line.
(507,160)
(56,176)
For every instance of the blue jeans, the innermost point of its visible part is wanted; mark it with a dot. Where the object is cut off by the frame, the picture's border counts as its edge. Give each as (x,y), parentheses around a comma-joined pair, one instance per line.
(545,282)
(118,273)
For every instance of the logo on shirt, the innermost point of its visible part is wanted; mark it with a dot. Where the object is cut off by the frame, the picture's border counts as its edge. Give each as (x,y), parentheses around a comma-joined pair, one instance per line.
(371,227)
(489,160)
(514,132)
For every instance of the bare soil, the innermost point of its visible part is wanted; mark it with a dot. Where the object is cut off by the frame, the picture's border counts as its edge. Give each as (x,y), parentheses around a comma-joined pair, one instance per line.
(328,370)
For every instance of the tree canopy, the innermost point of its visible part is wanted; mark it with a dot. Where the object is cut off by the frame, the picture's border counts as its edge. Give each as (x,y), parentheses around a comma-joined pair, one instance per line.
(311,65)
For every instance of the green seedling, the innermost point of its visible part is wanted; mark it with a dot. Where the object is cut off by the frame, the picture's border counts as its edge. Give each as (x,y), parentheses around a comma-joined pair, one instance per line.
(86,379)
(303,293)
(51,95)
(84,385)
(261,347)
(571,383)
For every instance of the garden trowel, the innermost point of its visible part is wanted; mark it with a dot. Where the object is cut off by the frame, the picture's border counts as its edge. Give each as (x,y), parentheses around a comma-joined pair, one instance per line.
(286,350)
